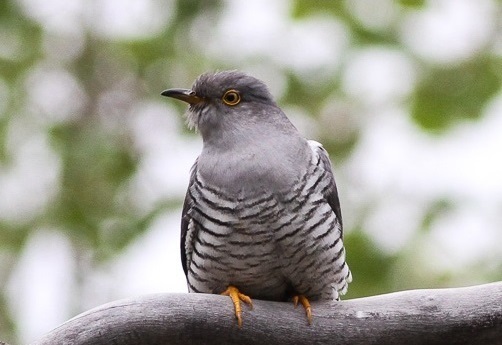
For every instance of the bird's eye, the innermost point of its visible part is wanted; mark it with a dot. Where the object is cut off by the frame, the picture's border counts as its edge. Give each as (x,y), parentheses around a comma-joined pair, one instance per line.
(231,97)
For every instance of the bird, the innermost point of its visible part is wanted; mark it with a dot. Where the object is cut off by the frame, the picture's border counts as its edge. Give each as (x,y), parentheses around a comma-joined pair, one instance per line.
(261,218)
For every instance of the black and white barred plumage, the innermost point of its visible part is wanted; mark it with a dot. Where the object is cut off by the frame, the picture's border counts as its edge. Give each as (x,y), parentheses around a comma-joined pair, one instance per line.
(271,245)
(262,211)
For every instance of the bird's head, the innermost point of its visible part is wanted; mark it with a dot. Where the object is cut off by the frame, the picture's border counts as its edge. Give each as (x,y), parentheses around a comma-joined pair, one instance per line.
(225,101)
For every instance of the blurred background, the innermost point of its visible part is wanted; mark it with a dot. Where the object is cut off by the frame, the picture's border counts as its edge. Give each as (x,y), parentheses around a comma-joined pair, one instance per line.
(94,163)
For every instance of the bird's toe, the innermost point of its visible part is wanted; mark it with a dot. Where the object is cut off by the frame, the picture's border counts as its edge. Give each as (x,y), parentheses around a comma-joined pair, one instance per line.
(237,297)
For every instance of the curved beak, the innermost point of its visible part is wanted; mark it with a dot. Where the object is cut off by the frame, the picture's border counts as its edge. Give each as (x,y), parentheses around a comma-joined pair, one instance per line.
(185,95)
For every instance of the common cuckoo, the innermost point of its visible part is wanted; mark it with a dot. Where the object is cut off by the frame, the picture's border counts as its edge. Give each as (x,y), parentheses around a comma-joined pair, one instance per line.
(261,217)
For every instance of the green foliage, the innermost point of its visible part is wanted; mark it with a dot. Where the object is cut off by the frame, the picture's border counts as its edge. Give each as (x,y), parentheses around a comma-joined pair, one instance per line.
(302,9)
(189,10)
(23,38)
(371,268)
(413,3)
(95,167)
(435,210)
(448,95)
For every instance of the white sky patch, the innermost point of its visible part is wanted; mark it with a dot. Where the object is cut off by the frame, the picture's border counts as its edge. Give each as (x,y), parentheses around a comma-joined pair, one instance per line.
(31,179)
(450,30)
(377,75)
(394,155)
(56,15)
(461,237)
(405,168)
(41,286)
(240,34)
(53,94)
(133,19)
(375,14)
(312,47)
(166,155)
(393,222)
(152,263)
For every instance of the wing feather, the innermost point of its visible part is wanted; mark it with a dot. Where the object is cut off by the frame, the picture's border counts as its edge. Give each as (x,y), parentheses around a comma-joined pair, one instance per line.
(332,192)
(186,222)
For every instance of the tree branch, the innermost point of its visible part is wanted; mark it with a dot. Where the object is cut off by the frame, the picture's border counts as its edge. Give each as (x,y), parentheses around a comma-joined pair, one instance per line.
(470,315)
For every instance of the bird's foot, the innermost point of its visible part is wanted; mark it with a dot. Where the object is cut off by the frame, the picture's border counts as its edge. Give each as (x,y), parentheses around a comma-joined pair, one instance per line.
(237,297)
(306,305)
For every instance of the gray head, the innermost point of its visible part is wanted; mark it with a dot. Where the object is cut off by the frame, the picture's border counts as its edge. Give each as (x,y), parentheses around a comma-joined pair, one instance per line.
(248,140)
(222,103)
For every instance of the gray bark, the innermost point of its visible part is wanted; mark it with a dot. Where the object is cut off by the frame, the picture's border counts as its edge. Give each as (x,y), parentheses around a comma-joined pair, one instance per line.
(470,315)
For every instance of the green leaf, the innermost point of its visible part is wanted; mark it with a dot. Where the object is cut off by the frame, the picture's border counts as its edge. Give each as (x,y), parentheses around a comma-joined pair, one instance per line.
(450,95)
(370,267)
(412,3)
(303,9)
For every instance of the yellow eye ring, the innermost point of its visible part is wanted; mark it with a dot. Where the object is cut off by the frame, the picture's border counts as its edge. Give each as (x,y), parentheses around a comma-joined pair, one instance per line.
(231,97)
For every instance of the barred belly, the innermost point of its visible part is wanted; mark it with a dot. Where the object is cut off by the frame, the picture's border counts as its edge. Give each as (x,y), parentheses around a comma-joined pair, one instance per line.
(270,245)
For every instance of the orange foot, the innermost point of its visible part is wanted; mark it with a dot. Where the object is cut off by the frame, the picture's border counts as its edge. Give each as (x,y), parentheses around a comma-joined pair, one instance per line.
(306,304)
(237,297)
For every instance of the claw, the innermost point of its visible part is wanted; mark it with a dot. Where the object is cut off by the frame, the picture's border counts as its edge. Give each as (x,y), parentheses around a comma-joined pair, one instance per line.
(237,297)
(306,305)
